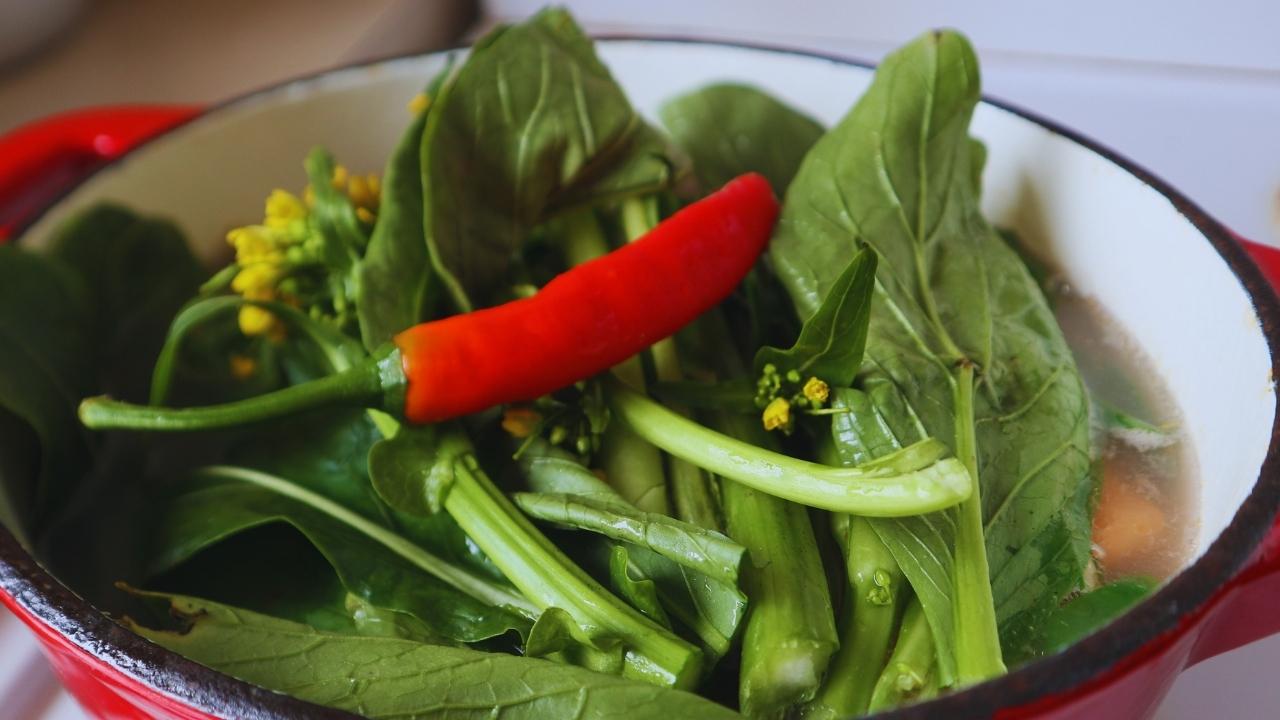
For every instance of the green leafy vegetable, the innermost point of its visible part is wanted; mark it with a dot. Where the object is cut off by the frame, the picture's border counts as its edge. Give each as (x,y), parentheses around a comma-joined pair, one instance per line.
(1090,611)
(527,558)
(874,596)
(397,678)
(45,363)
(641,591)
(730,129)
(790,635)
(909,673)
(372,561)
(535,124)
(697,548)
(396,285)
(917,479)
(711,609)
(897,175)
(832,338)
(556,636)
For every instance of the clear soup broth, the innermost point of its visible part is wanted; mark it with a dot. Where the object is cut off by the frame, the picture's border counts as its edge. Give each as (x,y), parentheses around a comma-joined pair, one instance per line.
(1146,517)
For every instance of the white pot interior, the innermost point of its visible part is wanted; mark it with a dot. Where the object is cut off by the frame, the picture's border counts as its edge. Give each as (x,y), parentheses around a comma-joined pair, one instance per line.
(1116,239)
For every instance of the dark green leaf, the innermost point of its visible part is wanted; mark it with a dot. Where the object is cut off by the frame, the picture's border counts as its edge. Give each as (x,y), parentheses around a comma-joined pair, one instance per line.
(688,545)
(413,471)
(729,395)
(640,591)
(712,610)
(532,123)
(46,367)
(732,129)
(138,271)
(394,678)
(897,175)
(1086,613)
(396,285)
(212,510)
(832,338)
(557,637)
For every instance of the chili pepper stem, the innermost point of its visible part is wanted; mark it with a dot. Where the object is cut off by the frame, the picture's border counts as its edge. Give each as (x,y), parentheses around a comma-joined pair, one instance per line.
(377,383)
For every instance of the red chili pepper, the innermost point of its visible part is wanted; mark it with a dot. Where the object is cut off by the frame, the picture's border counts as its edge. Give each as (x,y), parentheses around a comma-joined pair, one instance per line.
(581,323)
(593,316)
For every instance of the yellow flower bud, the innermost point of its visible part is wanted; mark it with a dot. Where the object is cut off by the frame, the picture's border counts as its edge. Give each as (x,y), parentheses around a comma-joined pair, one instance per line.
(255,244)
(777,414)
(284,209)
(520,422)
(816,390)
(365,216)
(419,103)
(256,278)
(339,179)
(256,321)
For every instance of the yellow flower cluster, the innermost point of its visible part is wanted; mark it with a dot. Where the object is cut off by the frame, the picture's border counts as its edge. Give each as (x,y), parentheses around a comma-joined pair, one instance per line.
(265,252)
(365,192)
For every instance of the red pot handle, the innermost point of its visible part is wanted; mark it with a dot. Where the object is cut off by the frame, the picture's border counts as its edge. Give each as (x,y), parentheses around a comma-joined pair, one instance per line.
(1247,604)
(41,159)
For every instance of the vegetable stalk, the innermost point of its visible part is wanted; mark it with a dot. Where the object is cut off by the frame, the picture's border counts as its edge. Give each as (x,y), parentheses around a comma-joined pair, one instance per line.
(874,598)
(543,574)
(791,631)
(909,672)
(911,481)
(978,654)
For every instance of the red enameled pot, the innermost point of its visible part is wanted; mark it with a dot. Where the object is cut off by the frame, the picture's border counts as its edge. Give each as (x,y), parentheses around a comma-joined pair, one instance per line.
(1098,215)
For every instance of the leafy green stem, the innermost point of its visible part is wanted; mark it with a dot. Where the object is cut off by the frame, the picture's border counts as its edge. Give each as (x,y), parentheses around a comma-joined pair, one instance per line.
(542,572)
(465,582)
(874,597)
(907,675)
(911,481)
(374,383)
(791,631)
(978,654)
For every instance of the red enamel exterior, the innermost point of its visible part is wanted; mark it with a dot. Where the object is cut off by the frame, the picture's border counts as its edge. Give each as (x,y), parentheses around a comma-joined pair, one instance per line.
(40,160)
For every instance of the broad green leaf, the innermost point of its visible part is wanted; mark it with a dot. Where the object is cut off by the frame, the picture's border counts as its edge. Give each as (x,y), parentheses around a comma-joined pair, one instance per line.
(1086,613)
(897,175)
(686,544)
(396,678)
(371,561)
(531,124)
(46,367)
(832,339)
(397,289)
(711,609)
(138,272)
(413,471)
(555,636)
(640,591)
(730,129)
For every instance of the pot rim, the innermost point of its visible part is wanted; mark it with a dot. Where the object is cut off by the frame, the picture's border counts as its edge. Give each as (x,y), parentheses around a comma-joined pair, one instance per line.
(1161,616)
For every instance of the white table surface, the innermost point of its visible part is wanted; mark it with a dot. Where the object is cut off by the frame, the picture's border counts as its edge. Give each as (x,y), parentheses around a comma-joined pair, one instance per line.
(1191,92)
